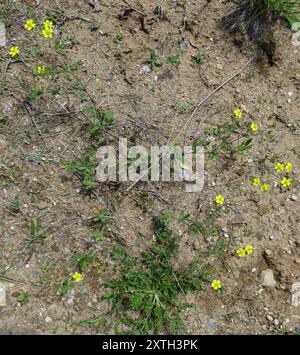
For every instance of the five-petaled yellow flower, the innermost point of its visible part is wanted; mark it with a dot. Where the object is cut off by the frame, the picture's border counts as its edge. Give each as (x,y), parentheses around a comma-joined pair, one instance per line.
(249,249)
(256,181)
(77,276)
(279,167)
(265,187)
(289,167)
(41,69)
(29,24)
(14,51)
(220,200)
(241,252)
(238,113)
(216,284)
(48,24)
(47,32)
(285,182)
(253,127)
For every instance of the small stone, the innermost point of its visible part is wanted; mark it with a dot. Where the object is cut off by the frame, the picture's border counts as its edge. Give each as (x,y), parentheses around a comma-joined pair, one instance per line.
(295,294)
(290,93)
(197,244)
(294,198)
(267,278)
(32,3)
(270,318)
(96,5)
(184,46)
(297,260)
(3,145)
(2,35)
(7,107)
(145,69)
(219,66)
(271,237)
(48,320)
(268,252)
(276,322)
(224,229)
(2,295)
(264,327)
(42,205)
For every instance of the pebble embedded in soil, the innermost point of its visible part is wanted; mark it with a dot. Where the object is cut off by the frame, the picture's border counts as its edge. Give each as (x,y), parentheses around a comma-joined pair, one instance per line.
(270,318)
(3,145)
(295,294)
(197,244)
(294,198)
(2,35)
(268,252)
(145,69)
(267,278)
(2,295)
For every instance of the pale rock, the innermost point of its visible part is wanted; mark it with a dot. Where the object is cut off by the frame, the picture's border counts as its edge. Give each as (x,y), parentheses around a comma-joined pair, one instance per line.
(295,294)
(2,35)
(3,145)
(2,295)
(268,252)
(267,278)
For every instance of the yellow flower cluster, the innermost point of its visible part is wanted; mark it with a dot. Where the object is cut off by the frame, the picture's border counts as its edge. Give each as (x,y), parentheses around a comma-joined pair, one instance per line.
(47,30)
(254,127)
(238,113)
(216,285)
(248,250)
(41,70)
(77,276)
(288,167)
(219,200)
(279,167)
(29,24)
(14,51)
(257,182)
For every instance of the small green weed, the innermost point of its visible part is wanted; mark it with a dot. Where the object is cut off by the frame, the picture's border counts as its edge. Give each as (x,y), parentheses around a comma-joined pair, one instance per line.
(145,296)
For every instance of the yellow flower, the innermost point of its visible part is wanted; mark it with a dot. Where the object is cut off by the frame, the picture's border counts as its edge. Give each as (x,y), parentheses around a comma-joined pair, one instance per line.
(220,200)
(285,182)
(29,24)
(216,284)
(14,51)
(279,167)
(256,181)
(249,249)
(77,276)
(238,113)
(47,32)
(289,167)
(241,252)
(41,70)
(48,24)
(265,187)
(253,127)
